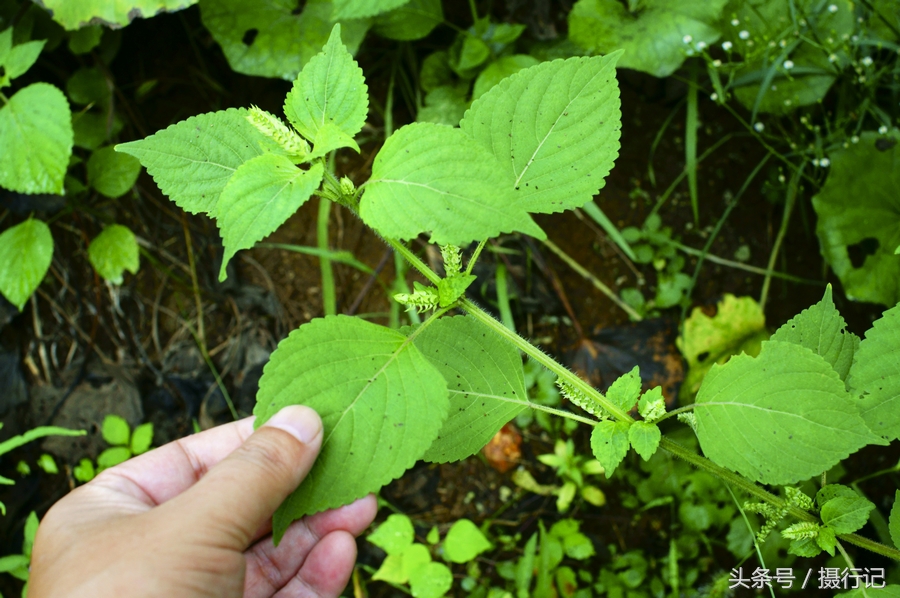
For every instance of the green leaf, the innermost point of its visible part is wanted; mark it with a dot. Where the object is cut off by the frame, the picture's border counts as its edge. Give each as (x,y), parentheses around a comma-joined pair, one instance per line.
(652,33)
(644,438)
(624,392)
(85,39)
(47,463)
(89,86)
(805,547)
(434,178)
(267,38)
(141,439)
(115,430)
(14,562)
(826,540)
(822,330)
(26,251)
(22,57)
(31,527)
(829,491)
(84,472)
(430,581)
(330,137)
(739,326)
(6,40)
(381,401)
(445,105)
(262,194)
(452,288)
(112,13)
(414,20)
(859,209)
(193,160)
(578,546)
(114,251)
(609,443)
(35,140)
(556,127)
(111,173)
(499,70)
(464,542)
(360,9)
(329,89)
(779,418)
(888,591)
(845,515)
(485,379)
(113,456)
(434,536)
(894,524)
(652,405)
(394,535)
(468,54)
(876,377)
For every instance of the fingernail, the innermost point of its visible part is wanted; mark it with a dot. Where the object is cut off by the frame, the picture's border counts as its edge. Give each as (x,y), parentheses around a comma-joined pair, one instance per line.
(299,421)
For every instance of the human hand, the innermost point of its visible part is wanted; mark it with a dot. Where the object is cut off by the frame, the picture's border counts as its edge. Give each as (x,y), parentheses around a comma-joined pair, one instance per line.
(192,518)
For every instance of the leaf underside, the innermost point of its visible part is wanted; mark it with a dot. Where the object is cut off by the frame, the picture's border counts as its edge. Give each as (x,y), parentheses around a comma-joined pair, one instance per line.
(381,402)
(193,160)
(555,127)
(779,418)
(485,379)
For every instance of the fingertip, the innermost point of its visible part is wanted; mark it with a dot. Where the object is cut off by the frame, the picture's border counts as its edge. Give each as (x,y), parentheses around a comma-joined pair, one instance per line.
(329,565)
(300,421)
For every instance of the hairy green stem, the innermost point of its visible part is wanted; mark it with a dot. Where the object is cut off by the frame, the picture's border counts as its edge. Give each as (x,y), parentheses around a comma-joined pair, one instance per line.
(665,443)
(329,294)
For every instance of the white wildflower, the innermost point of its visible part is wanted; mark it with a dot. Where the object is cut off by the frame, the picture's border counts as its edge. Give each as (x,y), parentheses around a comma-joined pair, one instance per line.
(824,162)
(735,22)
(714,96)
(726,46)
(687,39)
(717,63)
(854,139)
(744,34)
(867,61)
(883,129)
(788,65)
(833,8)
(701,45)
(759,127)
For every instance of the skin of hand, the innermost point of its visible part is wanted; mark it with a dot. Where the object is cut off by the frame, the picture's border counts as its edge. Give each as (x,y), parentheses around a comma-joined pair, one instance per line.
(192,519)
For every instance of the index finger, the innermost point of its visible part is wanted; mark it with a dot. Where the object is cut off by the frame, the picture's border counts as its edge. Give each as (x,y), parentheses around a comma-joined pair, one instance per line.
(167,471)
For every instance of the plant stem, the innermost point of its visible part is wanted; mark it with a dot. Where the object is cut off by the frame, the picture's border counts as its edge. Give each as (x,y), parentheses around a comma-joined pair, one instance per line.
(474,259)
(329,295)
(790,200)
(503,298)
(690,139)
(598,284)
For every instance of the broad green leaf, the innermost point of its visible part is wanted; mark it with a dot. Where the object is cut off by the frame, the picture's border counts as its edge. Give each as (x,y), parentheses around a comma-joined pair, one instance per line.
(394,535)
(26,251)
(829,491)
(89,86)
(822,330)
(578,546)
(6,40)
(414,20)
(805,547)
(269,38)
(652,405)
(92,128)
(651,32)
(21,57)
(434,536)
(845,515)
(113,251)
(609,443)
(14,562)
(778,418)
(894,524)
(432,580)
(644,438)
(739,326)
(360,9)
(35,140)
(469,53)
(499,70)
(826,540)
(115,430)
(875,375)
(397,568)
(381,401)
(111,173)
(113,456)
(329,90)
(556,126)
(485,379)
(452,288)
(624,392)
(262,194)
(445,105)
(112,13)
(193,160)
(434,178)
(330,137)
(142,438)
(859,210)
(464,542)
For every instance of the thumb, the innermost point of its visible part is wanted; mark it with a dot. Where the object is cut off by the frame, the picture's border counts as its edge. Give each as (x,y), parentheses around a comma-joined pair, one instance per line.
(231,502)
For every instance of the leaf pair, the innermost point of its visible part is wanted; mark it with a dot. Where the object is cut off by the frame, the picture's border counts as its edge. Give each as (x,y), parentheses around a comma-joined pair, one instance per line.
(541,141)
(242,170)
(787,415)
(388,399)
